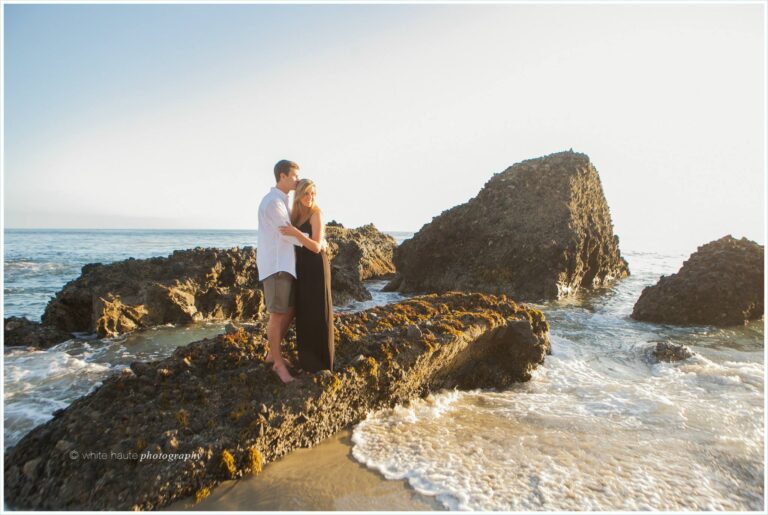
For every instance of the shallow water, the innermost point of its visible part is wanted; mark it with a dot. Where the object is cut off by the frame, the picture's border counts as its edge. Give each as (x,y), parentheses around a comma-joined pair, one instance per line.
(600,426)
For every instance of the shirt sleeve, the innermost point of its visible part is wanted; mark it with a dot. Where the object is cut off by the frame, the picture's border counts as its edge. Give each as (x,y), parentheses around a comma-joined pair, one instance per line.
(277,216)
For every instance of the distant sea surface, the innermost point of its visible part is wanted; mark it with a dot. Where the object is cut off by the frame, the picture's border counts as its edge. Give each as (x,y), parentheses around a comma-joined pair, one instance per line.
(599,427)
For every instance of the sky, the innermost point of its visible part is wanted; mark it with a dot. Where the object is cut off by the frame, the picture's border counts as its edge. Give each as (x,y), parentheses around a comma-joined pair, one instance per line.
(173,116)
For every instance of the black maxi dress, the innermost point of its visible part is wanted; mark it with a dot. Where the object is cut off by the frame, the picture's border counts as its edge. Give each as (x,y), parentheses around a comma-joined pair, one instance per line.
(314,308)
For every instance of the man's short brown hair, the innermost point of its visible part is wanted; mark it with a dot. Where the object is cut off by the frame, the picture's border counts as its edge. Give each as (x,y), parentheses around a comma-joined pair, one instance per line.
(284,167)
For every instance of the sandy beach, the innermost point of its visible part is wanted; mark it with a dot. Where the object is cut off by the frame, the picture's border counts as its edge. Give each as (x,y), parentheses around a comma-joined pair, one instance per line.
(325,477)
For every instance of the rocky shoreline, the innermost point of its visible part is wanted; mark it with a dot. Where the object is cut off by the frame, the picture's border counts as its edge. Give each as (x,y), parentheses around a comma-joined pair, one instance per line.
(539,230)
(215,402)
(194,285)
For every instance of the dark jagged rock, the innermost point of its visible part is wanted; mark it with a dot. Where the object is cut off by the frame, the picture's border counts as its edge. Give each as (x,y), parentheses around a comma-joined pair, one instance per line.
(539,230)
(217,405)
(200,284)
(187,286)
(22,331)
(668,351)
(720,284)
(357,255)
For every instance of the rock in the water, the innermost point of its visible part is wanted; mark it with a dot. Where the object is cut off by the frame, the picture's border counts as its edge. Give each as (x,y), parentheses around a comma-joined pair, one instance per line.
(720,284)
(668,351)
(22,331)
(202,284)
(187,286)
(357,255)
(539,230)
(175,428)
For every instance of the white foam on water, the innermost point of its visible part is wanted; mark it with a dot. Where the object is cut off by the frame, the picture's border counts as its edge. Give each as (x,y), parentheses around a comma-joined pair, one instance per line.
(397,422)
(699,371)
(378,298)
(39,382)
(582,436)
(35,266)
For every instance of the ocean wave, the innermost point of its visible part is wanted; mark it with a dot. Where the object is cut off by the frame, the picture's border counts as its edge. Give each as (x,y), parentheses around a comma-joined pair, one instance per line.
(590,431)
(26,370)
(39,382)
(46,267)
(701,372)
(472,455)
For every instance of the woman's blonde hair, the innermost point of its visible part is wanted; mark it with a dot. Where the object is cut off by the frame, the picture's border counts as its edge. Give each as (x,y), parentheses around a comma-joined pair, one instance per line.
(299,213)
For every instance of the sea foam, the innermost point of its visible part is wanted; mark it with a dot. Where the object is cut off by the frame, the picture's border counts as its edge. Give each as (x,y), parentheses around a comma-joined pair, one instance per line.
(598,427)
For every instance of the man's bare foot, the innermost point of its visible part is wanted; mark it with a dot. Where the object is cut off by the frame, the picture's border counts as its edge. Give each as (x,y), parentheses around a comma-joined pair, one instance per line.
(270,360)
(283,374)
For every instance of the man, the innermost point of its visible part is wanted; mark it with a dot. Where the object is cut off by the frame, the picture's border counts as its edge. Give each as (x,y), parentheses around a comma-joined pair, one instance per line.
(276,260)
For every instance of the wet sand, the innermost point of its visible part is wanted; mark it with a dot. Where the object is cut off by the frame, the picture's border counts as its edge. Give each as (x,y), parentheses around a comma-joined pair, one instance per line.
(325,477)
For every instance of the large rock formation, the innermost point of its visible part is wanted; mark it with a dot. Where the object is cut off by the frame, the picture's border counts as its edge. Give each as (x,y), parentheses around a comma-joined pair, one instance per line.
(720,284)
(187,286)
(357,255)
(213,411)
(539,230)
(191,285)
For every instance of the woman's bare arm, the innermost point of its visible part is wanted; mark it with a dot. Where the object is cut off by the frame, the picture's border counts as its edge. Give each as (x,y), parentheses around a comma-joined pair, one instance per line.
(318,232)
(318,229)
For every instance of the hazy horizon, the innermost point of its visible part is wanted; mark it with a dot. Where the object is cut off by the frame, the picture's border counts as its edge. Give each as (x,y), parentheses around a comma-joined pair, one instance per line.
(172,116)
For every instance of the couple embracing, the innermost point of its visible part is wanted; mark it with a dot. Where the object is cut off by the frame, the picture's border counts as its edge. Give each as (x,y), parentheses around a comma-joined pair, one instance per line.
(293,266)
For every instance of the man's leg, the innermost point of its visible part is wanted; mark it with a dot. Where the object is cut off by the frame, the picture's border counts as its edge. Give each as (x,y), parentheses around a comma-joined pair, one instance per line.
(275,337)
(277,293)
(286,319)
(286,323)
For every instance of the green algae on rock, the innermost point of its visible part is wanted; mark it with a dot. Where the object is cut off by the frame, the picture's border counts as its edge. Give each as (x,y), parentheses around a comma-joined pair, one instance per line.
(174,420)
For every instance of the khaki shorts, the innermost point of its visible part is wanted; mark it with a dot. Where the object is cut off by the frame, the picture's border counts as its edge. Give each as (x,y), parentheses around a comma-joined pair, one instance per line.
(279,292)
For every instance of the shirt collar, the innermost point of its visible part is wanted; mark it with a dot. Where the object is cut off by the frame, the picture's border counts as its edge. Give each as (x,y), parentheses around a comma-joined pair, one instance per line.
(279,192)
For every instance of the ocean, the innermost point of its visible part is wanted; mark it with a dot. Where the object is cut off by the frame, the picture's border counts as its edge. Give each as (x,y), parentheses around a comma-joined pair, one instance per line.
(599,427)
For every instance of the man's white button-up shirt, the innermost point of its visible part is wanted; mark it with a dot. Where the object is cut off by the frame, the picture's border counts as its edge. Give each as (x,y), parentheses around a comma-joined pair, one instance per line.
(274,252)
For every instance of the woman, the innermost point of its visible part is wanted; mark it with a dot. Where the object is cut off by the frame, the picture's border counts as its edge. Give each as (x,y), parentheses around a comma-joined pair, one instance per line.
(314,306)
